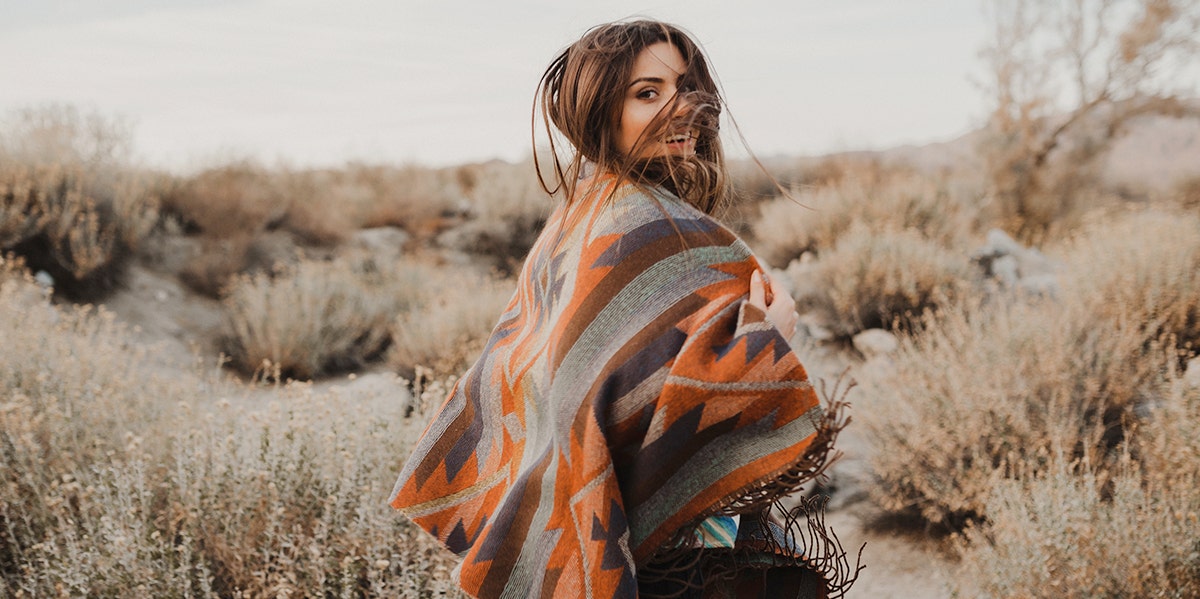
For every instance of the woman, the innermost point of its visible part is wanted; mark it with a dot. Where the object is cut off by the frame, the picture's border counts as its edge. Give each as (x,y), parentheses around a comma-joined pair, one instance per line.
(637,409)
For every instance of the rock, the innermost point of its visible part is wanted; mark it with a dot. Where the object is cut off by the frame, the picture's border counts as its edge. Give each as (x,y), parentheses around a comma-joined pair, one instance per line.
(801,280)
(1005,268)
(1191,375)
(1001,244)
(44,279)
(875,342)
(1031,262)
(814,327)
(1015,266)
(1043,285)
(381,240)
(272,250)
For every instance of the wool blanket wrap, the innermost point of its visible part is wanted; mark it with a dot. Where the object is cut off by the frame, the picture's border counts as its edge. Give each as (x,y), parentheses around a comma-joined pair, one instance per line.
(628,393)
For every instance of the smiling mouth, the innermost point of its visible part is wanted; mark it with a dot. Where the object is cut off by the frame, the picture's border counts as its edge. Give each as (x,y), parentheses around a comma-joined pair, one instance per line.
(679,138)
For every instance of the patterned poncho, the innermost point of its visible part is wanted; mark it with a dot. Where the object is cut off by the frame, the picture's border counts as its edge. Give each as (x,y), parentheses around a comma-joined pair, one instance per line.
(628,393)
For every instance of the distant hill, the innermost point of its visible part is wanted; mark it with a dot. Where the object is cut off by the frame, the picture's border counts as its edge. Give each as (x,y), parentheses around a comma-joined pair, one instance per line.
(1152,153)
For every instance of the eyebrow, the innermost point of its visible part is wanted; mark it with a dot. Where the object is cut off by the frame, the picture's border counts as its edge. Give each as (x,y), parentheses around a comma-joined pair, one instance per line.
(658,80)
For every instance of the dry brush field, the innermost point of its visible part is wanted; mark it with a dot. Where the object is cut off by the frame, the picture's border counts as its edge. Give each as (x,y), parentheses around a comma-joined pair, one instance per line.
(1033,406)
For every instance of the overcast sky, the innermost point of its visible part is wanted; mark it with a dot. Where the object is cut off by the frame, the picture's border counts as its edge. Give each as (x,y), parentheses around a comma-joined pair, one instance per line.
(318,83)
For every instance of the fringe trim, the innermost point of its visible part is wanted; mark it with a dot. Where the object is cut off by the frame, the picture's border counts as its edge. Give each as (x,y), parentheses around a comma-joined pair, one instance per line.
(800,539)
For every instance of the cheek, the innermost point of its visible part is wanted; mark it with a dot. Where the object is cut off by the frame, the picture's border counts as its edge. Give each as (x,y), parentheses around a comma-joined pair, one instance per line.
(634,120)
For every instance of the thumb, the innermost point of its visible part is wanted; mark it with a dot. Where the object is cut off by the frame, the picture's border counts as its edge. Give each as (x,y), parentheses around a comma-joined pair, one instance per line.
(758,293)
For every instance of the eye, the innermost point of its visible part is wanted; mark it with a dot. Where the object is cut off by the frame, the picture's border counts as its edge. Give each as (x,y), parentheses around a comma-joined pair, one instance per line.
(648,93)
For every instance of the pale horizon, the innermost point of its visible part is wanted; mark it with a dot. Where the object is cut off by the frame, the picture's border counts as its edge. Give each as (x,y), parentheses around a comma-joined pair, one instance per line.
(308,84)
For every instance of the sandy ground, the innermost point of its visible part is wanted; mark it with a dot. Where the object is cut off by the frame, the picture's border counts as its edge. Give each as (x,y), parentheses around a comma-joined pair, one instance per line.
(902,559)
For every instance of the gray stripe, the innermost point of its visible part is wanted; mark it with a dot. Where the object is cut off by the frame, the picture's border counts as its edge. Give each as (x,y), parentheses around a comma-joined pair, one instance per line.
(527,573)
(738,386)
(638,304)
(453,410)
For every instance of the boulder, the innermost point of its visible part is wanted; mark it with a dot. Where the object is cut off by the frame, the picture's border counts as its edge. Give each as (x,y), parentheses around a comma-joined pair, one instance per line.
(1015,266)
(813,326)
(1191,375)
(875,342)
(387,241)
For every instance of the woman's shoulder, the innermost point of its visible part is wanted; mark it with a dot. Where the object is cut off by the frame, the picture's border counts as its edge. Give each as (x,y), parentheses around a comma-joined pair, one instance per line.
(633,206)
(650,225)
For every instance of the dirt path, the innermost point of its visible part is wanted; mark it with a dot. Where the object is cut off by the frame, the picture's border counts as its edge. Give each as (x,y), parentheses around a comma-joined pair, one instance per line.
(901,561)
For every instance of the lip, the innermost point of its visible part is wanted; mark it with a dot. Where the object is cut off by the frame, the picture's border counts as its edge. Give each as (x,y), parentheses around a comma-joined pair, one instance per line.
(681,141)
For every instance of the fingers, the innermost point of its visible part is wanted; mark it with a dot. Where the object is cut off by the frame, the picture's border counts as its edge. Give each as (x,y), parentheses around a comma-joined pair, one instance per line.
(775,301)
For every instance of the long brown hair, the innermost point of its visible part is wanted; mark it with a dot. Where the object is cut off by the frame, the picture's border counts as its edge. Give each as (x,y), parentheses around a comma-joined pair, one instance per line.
(581,96)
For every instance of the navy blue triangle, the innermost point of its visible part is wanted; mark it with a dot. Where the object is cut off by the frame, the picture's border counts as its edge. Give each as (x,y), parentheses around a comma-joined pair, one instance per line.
(613,556)
(457,541)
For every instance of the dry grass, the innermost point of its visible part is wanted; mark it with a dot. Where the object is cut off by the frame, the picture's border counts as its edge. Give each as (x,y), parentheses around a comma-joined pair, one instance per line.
(883,278)
(1187,194)
(446,328)
(116,481)
(992,390)
(69,202)
(506,208)
(493,210)
(1125,526)
(1141,268)
(237,198)
(316,317)
(869,197)
(1083,534)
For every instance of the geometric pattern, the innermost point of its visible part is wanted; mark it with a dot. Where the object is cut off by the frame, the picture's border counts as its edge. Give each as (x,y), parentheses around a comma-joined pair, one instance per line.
(628,392)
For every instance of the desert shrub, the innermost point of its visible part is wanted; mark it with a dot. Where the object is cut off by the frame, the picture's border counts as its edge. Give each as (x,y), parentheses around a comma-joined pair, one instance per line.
(314,210)
(444,331)
(220,261)
(421,200)
(1043,144)
(119,481)
(235,199)
(290,498)
(1000,385)
(319,207)
(870,197)
(989,390)
(73,401)
(1073,534)
(1187,194)
(69,202)
(507,210)
(317,316)
(883,278)
(211,270)
(1140,268)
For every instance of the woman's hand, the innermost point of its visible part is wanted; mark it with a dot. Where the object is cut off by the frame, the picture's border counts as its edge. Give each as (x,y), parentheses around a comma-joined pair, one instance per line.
(775,301)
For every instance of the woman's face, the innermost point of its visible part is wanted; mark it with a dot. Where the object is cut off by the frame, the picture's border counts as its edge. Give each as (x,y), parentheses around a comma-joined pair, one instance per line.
(652,87)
